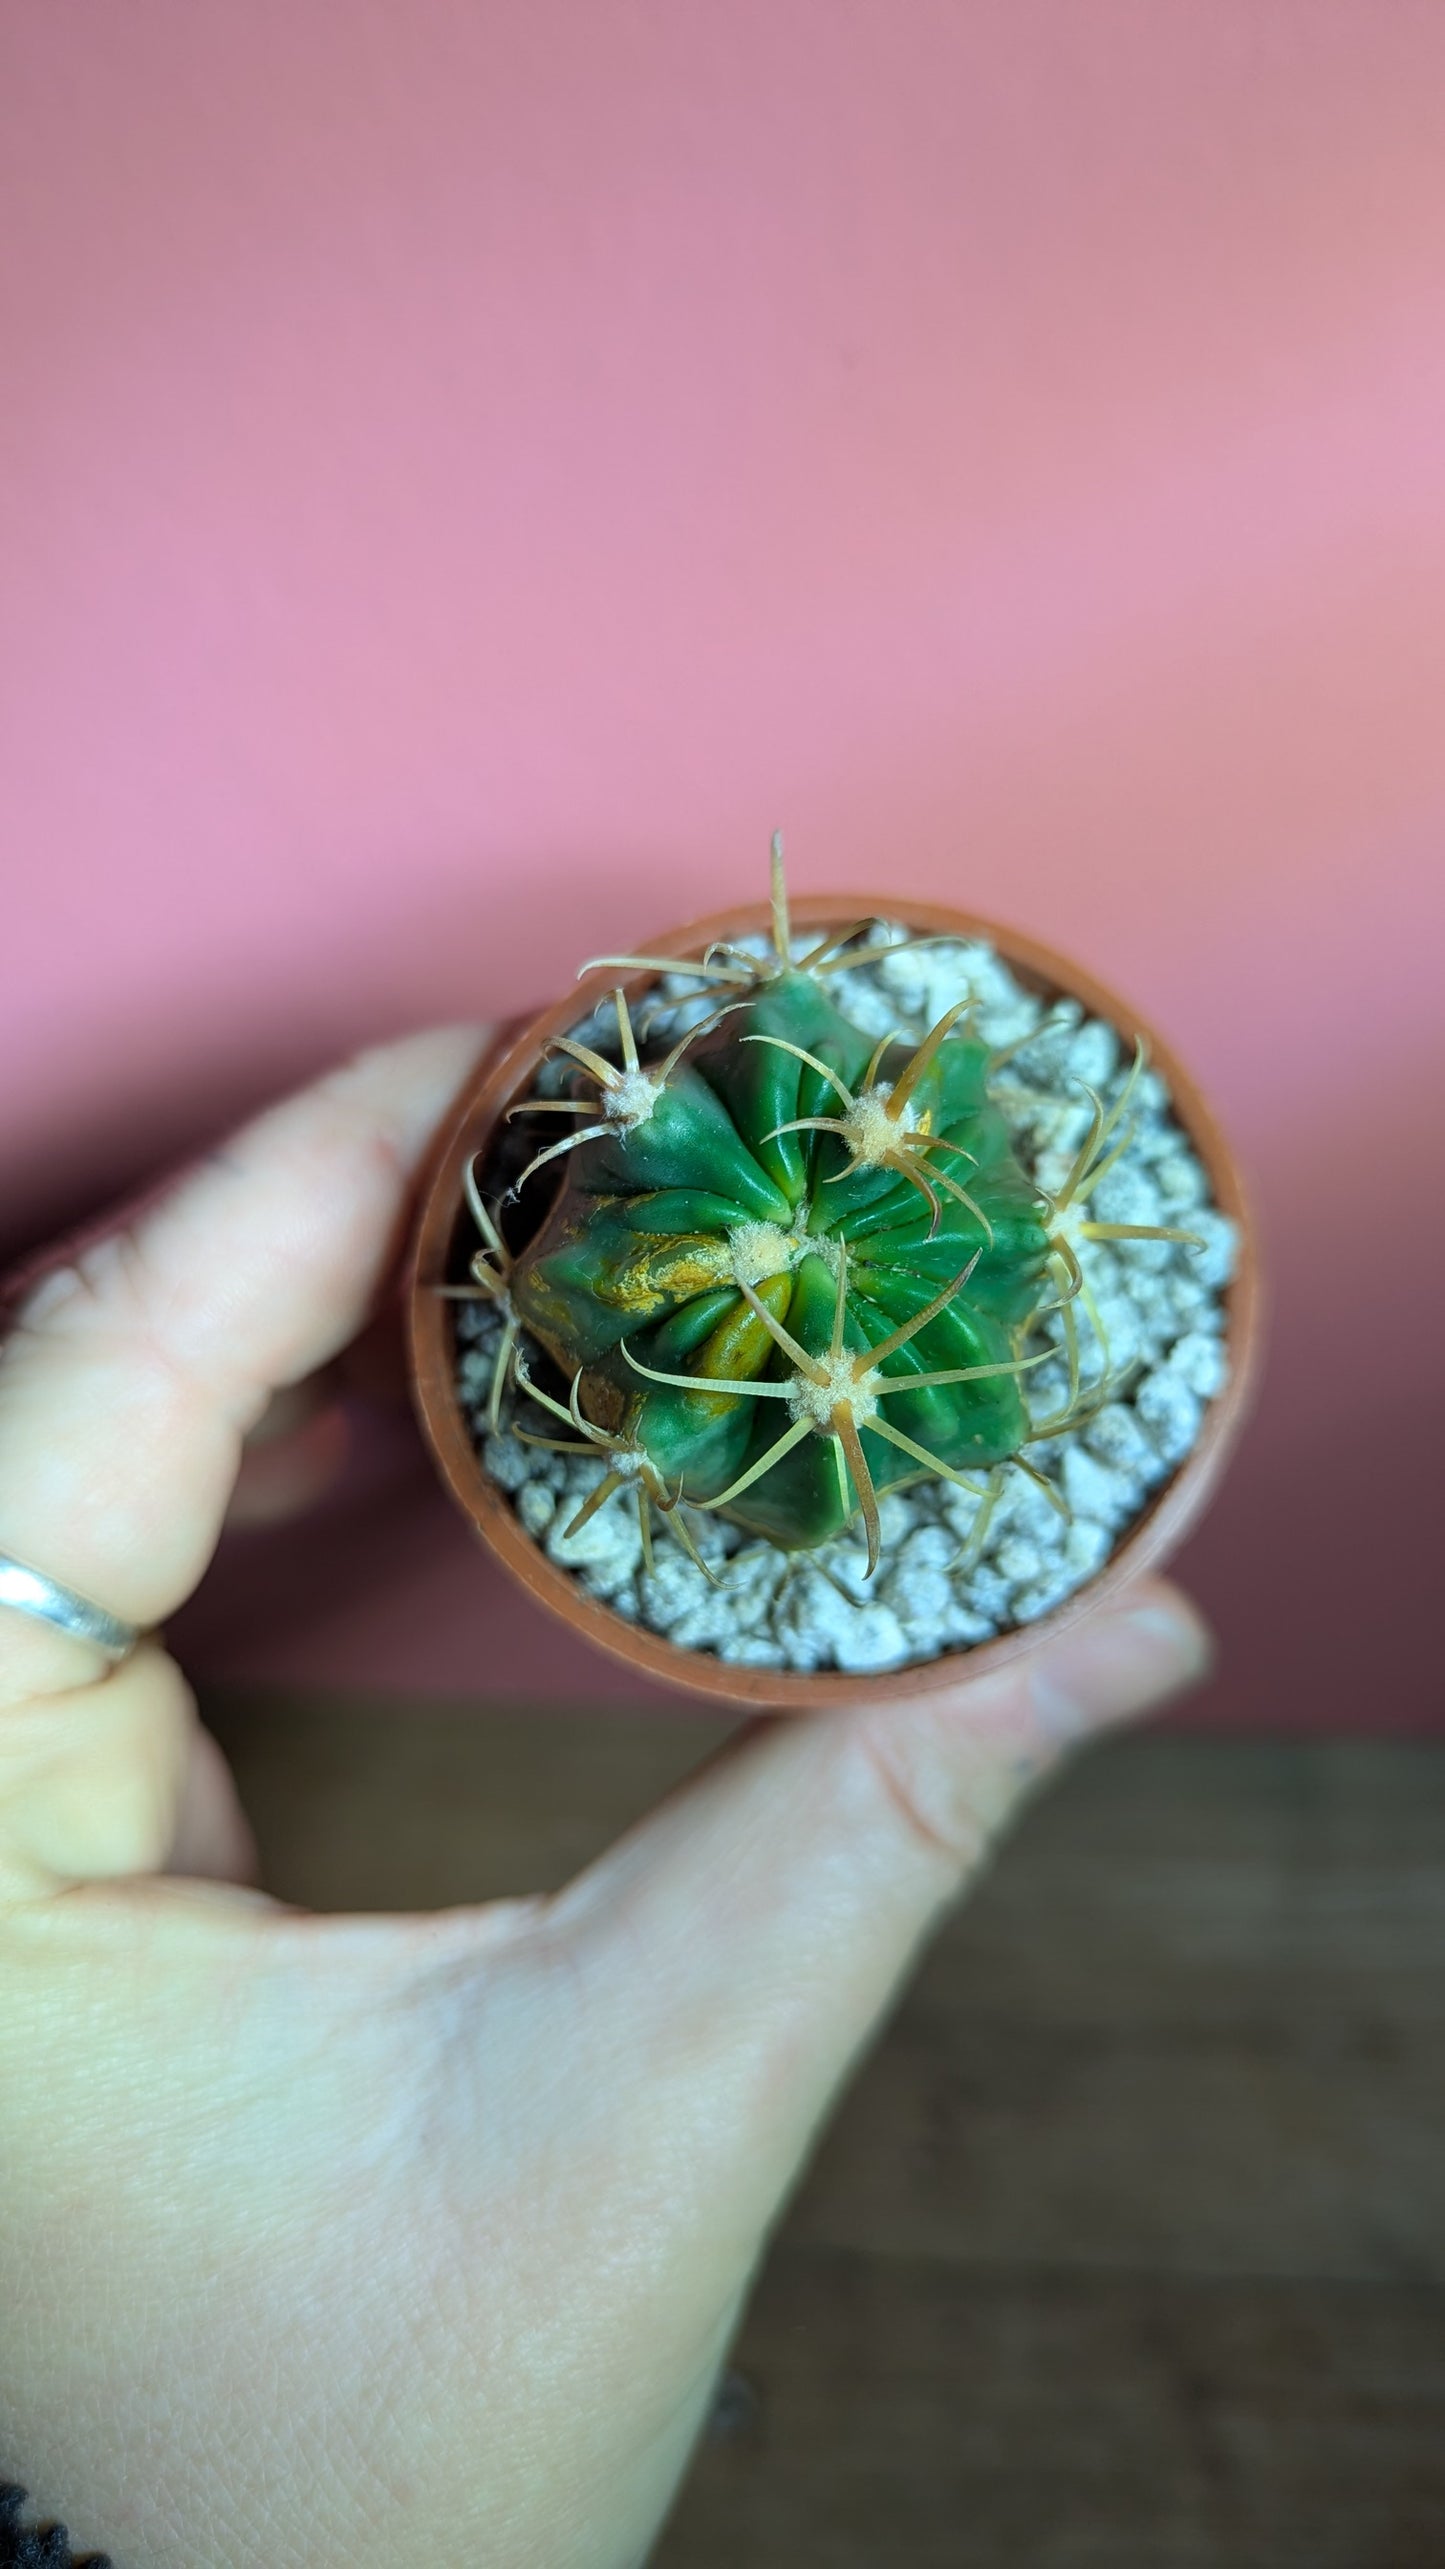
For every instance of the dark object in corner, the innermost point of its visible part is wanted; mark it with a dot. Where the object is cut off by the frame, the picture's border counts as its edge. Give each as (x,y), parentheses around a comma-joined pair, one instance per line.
(38,2546)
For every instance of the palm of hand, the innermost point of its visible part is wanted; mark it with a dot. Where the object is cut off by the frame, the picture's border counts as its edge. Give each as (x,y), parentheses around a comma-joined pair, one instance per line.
(418,2237)
(302,2213)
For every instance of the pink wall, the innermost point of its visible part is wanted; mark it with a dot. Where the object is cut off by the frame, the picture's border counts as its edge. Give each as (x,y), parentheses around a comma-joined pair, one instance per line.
(467,472)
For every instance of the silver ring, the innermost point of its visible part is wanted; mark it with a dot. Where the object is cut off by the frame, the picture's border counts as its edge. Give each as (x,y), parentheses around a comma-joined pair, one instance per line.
(33,1594)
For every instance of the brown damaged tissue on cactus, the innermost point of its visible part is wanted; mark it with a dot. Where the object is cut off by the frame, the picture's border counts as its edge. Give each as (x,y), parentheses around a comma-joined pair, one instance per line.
(819,1302)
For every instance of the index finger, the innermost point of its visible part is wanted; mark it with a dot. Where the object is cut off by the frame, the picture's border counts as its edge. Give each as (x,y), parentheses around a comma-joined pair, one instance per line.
(132,1373)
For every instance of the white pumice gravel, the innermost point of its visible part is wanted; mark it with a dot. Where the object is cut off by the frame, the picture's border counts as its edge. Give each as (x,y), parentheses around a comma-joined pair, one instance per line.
(938,1587)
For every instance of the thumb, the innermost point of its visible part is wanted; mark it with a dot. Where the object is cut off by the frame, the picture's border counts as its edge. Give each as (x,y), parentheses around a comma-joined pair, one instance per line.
(752,1930)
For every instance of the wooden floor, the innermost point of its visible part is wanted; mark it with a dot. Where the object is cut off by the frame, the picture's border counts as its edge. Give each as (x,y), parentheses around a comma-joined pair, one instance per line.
(1127,2250)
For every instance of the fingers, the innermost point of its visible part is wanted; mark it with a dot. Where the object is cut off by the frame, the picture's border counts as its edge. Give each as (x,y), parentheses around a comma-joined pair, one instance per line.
(759,1923)
(91,1780)
(134,1374)
(212,1836)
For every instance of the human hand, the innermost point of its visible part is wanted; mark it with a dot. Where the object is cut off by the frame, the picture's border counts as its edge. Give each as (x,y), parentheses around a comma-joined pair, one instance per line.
(414,2238)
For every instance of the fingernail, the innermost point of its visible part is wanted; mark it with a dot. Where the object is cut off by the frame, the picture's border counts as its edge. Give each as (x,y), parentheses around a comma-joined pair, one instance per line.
(1121,1665)
(1179,1628)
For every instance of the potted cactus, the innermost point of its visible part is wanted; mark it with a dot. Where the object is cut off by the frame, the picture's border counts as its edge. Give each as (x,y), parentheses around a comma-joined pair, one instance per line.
(767,1304)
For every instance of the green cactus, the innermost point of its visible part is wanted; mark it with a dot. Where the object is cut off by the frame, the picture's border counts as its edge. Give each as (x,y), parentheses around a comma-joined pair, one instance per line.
(789,1267)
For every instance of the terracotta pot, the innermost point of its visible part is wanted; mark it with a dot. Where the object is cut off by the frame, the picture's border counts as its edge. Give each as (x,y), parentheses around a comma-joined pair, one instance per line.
(445,1239)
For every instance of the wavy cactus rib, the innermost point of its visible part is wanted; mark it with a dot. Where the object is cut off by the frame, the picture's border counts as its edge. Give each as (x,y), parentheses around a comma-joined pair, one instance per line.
(790,1267)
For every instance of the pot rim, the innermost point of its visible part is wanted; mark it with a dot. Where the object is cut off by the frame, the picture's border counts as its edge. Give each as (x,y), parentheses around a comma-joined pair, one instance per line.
(506,1072)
